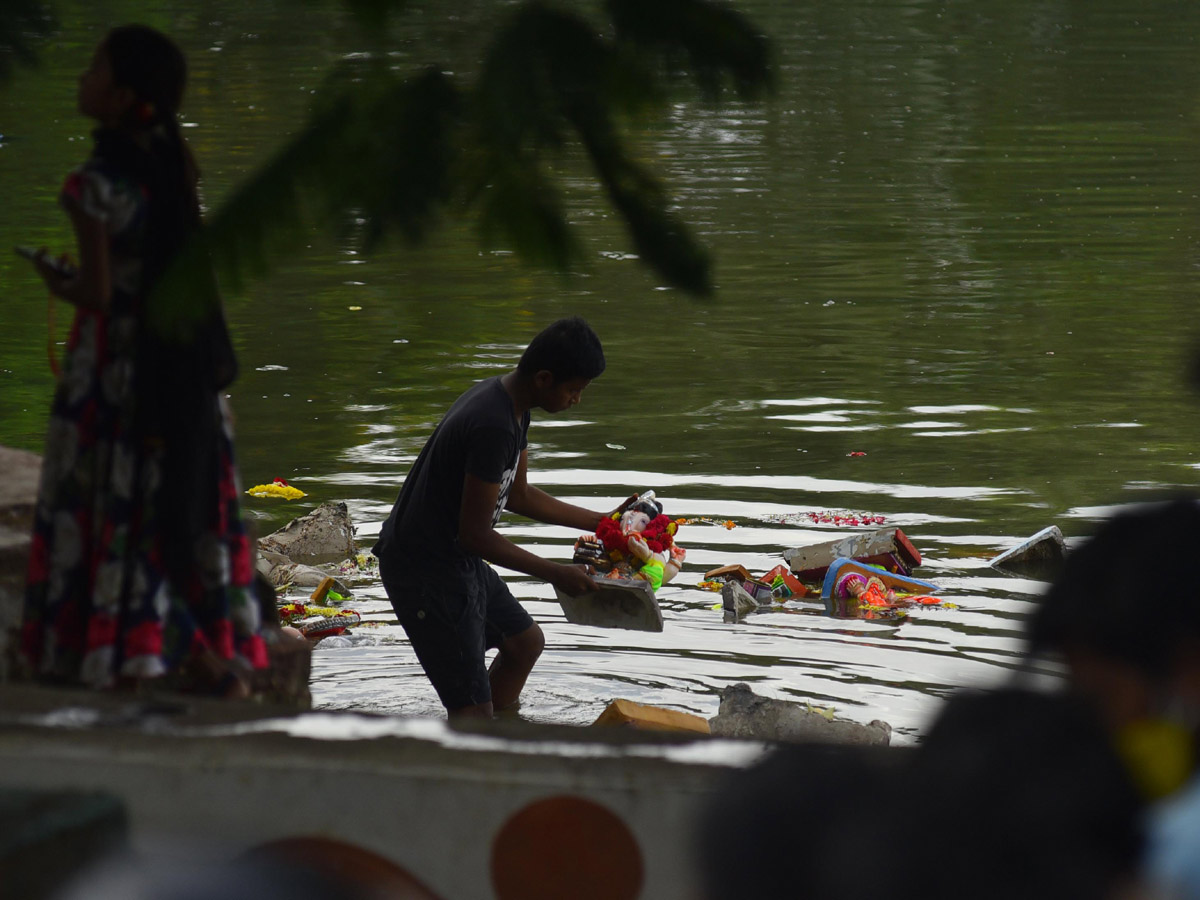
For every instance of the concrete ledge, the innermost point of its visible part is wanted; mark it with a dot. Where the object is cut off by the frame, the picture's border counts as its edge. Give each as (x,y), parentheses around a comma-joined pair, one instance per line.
(215,779)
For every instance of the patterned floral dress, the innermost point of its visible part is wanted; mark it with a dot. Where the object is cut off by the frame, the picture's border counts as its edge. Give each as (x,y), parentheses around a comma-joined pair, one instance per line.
(106,597)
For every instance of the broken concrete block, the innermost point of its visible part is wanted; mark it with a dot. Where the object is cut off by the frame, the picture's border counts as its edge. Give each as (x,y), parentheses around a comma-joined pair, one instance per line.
(1040,556)
(325,534)
(889,548)
(618,603)
(744,714)
(650,718)
(735,598)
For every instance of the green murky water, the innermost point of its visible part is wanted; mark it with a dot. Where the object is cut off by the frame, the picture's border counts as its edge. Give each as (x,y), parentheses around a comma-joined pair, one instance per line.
(962,239)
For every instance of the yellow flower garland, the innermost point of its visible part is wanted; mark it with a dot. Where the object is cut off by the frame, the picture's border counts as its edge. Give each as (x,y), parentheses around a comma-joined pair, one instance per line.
(282,491)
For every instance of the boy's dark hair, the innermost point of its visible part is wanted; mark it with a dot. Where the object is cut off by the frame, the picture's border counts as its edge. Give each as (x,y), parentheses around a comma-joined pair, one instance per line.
(1104,600)
(566,349)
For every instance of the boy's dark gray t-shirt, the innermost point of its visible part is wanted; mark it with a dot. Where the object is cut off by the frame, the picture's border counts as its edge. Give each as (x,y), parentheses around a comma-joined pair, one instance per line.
(479,435)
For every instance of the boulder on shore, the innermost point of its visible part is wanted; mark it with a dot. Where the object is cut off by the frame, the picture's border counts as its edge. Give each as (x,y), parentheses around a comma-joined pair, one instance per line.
(324,535)
(744,714)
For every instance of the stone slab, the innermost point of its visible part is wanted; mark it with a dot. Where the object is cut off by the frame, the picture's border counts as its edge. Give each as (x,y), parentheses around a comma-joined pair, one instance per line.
(889,548)
(619,603)
(736,599)
(745,714)
(1039,556)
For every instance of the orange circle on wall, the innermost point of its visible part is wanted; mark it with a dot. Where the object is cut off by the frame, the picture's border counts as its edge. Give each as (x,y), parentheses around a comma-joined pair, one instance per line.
(566,847)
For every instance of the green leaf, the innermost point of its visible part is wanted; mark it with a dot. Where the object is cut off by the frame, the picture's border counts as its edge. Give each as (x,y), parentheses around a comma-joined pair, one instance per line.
(710,40)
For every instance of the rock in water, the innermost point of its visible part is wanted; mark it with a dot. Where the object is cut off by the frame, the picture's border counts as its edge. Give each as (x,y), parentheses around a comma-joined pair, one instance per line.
(744,714)
(1040,556)
(736,599)
(324,535)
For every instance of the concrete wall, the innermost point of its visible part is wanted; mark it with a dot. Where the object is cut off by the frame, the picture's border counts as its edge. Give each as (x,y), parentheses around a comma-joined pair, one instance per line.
(421,794)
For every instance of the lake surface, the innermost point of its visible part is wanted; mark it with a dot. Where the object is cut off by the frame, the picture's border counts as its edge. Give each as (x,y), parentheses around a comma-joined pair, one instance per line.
(961,239)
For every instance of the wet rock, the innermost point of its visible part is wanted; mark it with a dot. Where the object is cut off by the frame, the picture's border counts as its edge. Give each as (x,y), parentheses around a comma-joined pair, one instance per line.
(888,548)
(266,560)
(18,494)
(736,599)
(744,714)
(1039,556)
(324,535)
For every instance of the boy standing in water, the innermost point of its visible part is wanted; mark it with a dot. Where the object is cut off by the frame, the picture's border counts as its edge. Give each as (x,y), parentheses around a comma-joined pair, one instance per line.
(435,547)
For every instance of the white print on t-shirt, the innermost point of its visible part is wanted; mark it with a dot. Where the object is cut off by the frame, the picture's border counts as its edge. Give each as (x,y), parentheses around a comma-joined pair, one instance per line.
(506,483)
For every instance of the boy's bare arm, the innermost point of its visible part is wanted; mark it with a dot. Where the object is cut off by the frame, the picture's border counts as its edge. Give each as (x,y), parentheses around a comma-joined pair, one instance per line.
(534,503)
(477,536)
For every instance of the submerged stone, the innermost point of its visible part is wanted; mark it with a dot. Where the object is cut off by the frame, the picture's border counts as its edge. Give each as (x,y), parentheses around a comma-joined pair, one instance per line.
(324,535)
(1039,556)
(888,548)
(736,599)
(744,714)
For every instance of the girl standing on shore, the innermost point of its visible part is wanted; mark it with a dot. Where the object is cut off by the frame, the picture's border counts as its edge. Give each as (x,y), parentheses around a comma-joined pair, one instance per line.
(140,566)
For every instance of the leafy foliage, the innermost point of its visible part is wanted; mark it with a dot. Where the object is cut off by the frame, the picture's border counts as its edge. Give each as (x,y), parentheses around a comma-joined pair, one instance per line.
(421,144)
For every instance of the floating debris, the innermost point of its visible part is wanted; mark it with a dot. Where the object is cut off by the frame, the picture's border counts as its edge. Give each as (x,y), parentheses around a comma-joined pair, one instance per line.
(705,520)
(362,564)
(824,517)
(278,488)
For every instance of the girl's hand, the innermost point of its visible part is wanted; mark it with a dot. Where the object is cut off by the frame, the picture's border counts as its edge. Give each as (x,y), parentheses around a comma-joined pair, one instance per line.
(52,272)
